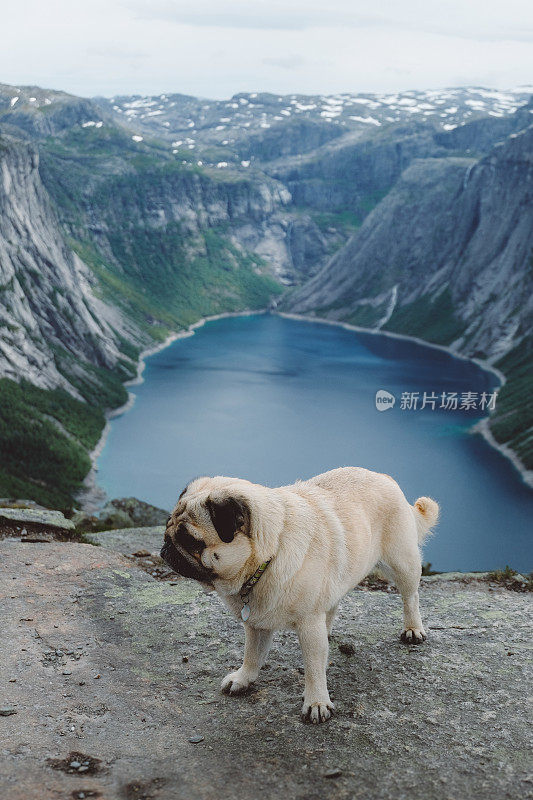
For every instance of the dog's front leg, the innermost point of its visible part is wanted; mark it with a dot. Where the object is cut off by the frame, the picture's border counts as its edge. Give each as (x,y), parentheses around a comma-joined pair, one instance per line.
(313,635)
(256,646)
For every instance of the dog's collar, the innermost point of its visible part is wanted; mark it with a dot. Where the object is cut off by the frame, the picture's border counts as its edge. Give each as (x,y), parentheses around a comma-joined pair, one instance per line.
(247,587)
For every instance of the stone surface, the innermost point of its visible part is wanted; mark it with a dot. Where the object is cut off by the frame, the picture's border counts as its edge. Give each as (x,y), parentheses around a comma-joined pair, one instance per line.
(53,519)
(141,545)
(444,720)
(14,502)
(130,540)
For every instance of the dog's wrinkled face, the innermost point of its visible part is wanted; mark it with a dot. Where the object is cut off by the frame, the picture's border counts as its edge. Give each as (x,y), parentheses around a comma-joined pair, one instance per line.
(208,533)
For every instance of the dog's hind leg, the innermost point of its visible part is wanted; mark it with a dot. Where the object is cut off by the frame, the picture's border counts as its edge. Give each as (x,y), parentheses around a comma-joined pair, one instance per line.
(256,646)
(406,570)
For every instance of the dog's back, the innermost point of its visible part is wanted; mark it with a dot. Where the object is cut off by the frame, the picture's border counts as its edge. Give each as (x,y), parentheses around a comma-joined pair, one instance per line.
(374,501)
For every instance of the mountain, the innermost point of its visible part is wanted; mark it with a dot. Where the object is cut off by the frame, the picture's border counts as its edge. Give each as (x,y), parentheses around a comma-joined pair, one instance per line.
(123,220)
(231,123)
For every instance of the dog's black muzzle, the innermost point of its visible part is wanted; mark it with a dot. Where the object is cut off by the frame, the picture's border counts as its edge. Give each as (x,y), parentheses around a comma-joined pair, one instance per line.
(184,563)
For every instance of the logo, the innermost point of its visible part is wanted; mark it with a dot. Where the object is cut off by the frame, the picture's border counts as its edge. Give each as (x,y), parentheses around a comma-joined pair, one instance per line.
(384,400)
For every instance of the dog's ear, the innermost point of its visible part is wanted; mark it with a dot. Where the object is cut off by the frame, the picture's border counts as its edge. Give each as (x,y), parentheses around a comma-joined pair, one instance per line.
(228,516)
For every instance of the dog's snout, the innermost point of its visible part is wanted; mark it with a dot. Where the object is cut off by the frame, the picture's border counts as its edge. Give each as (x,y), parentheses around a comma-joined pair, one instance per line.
(182,551)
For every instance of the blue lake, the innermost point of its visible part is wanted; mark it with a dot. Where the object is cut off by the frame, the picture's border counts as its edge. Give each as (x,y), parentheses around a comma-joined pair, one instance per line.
(273,399)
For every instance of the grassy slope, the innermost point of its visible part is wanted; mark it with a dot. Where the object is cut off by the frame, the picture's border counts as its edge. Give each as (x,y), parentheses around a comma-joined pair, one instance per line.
(162,278)
(429,318)
(45,436)
(512,421)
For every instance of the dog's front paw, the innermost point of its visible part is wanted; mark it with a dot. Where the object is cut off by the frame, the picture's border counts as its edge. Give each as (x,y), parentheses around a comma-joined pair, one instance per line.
(236,682)
(315,711)
(413,636)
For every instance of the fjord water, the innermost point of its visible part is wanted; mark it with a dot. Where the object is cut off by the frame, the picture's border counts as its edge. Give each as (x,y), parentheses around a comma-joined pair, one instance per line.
(273,400)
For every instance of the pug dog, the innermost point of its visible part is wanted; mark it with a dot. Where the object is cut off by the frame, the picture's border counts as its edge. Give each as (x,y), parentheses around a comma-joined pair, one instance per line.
(283,558)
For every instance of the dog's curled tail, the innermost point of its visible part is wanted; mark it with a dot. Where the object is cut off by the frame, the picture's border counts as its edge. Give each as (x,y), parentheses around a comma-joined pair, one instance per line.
(426,516)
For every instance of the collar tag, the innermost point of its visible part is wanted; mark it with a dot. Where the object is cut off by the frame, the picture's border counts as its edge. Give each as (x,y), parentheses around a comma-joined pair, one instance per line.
(245,612)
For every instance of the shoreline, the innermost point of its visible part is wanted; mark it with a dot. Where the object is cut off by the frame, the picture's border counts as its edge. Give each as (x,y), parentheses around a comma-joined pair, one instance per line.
(482,427)
(358,329)
(92,496)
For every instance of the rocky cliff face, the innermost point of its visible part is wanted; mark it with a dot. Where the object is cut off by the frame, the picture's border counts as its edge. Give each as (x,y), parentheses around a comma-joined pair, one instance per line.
(289,138)
(357,170)
(452,231)
(47,298)
(249,213)
(199,189)
(131,188)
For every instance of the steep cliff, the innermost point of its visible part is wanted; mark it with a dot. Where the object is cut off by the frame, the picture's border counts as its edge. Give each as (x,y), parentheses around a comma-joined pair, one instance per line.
(60,344)
(478,136)
(48,303)
(450,227)
(356,170)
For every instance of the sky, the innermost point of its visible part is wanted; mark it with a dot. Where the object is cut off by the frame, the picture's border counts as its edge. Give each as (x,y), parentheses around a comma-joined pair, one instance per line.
(216,48)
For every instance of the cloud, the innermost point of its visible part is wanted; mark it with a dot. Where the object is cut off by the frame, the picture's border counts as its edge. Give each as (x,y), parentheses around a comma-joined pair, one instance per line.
(482,20)
(285,62)
(116,51)
(253,15)
(215,48)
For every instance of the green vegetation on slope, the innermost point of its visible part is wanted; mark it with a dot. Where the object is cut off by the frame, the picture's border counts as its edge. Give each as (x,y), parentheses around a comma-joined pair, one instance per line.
(190,277)
(512,421)
(429,318)
(367,315)
(346,221)
(44,439)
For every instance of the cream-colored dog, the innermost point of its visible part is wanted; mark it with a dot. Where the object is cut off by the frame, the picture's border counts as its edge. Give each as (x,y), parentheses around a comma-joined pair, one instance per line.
(284,558)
